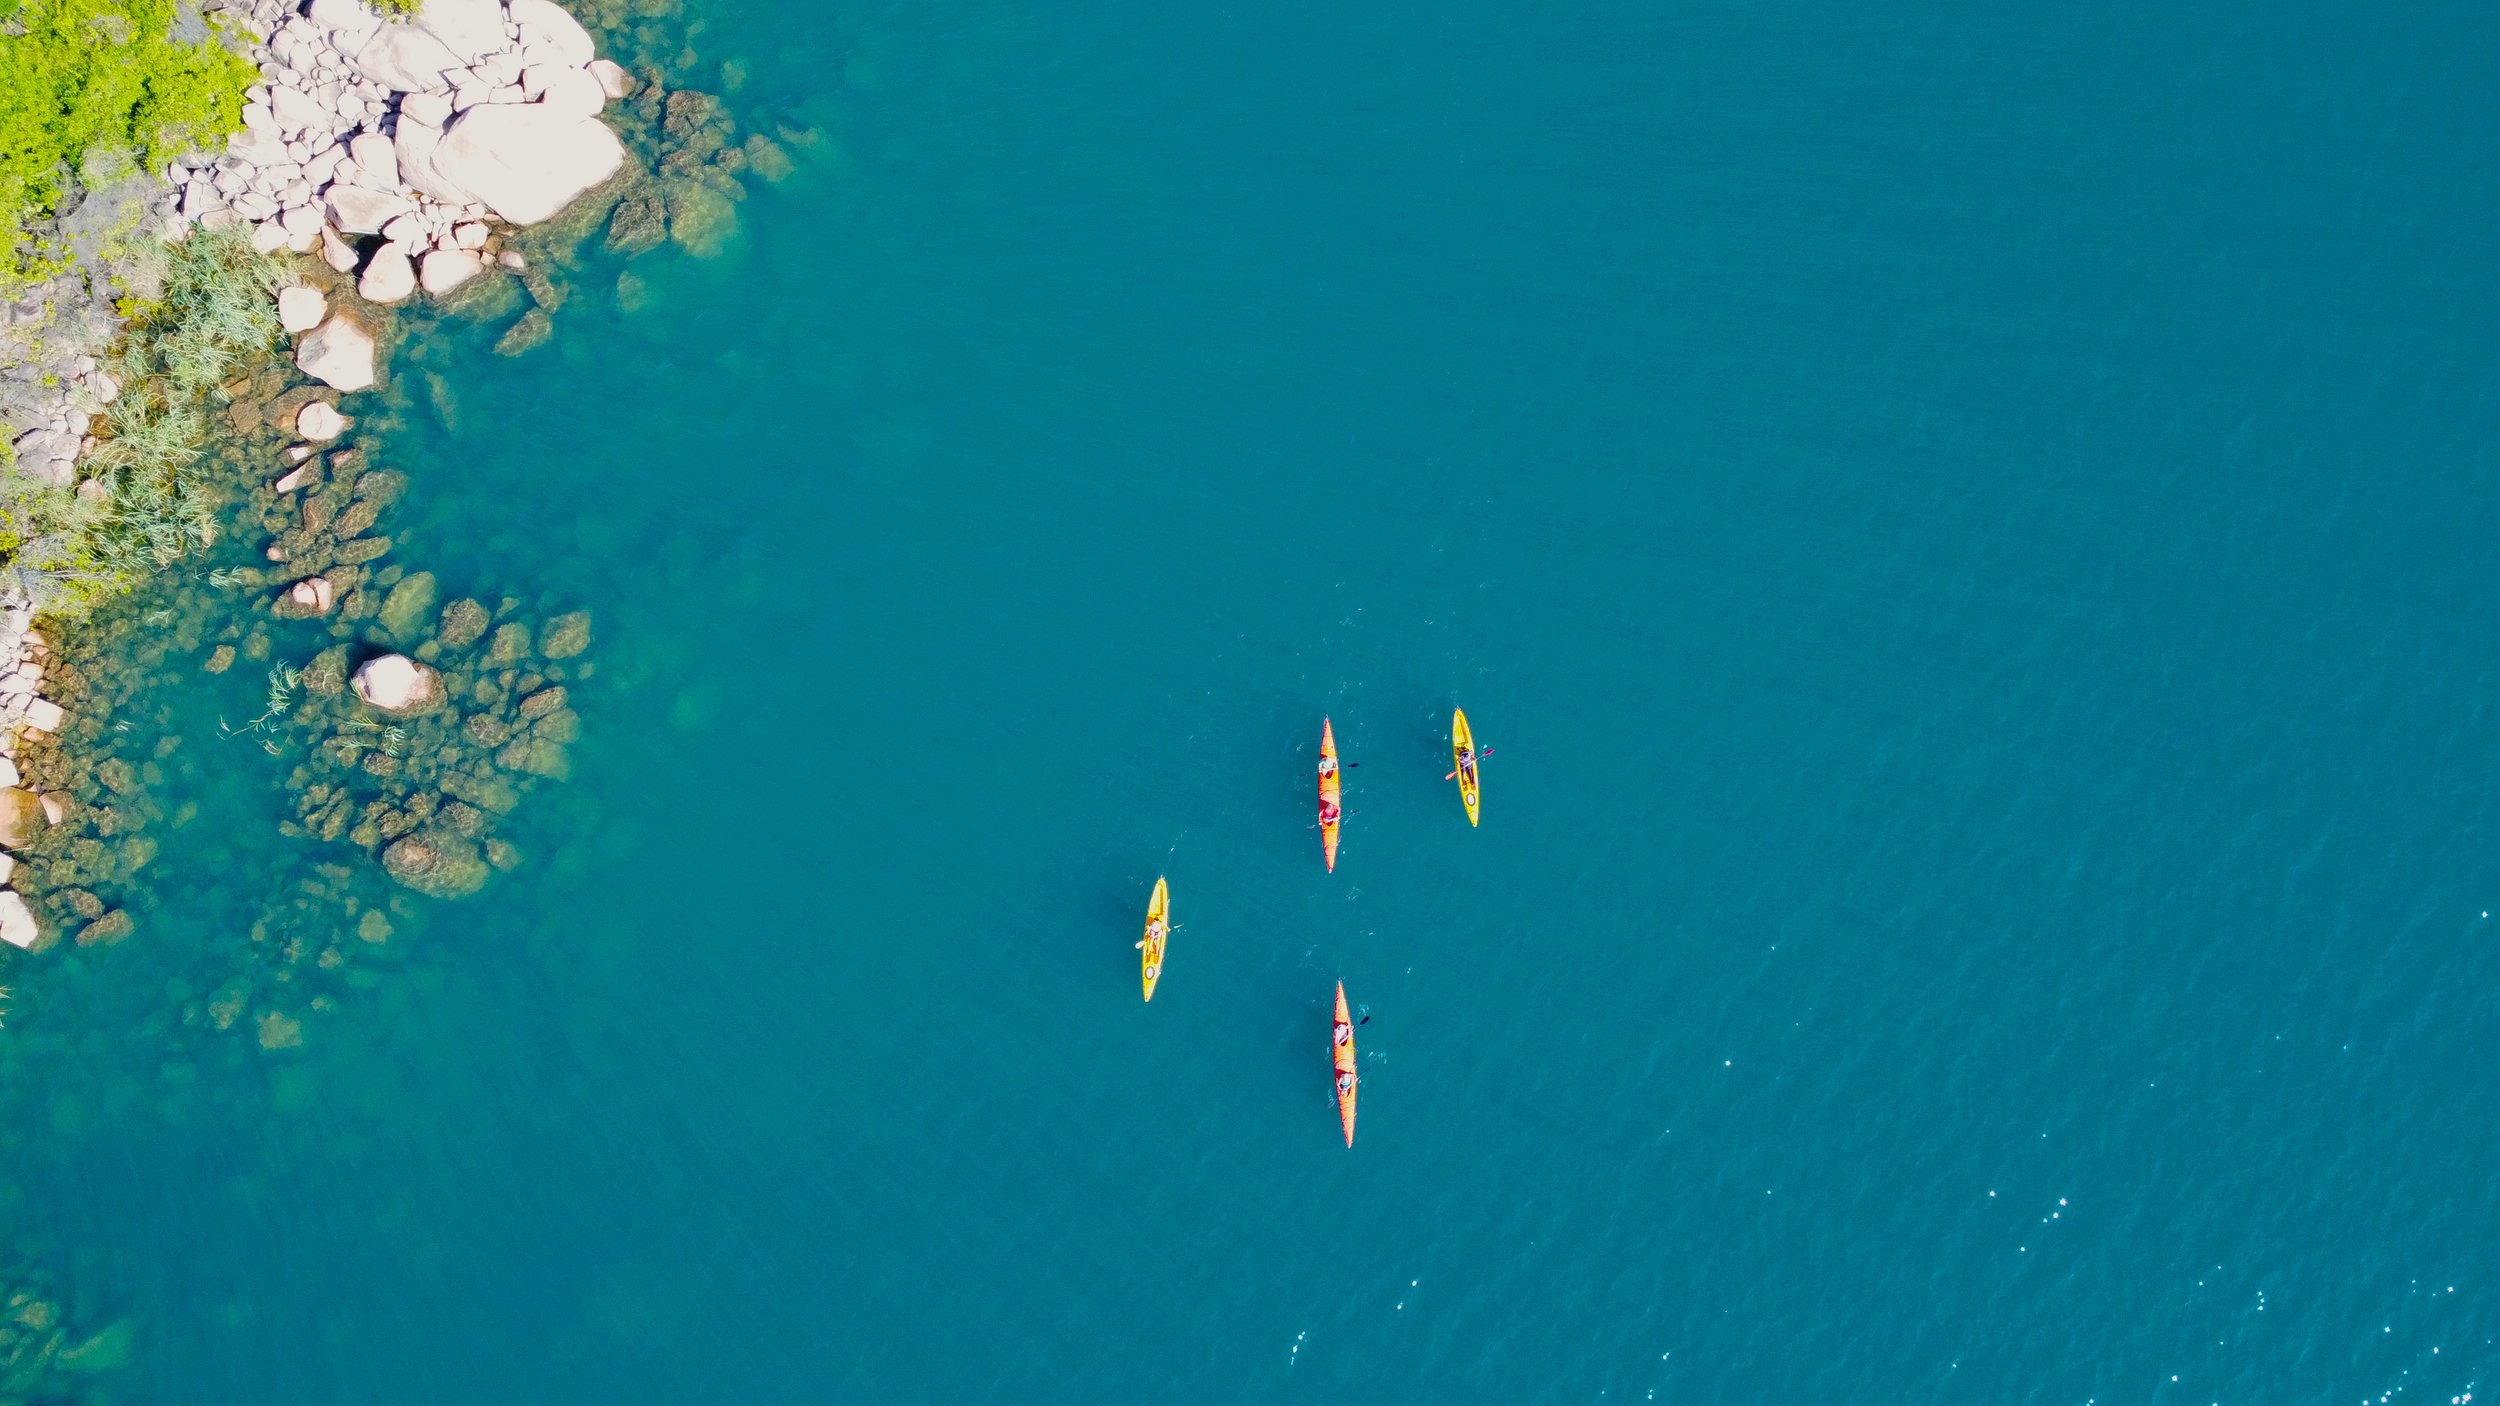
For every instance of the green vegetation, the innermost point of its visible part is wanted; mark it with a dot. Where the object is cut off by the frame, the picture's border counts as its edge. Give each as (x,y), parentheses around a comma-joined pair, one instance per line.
(75,549)
(95,89)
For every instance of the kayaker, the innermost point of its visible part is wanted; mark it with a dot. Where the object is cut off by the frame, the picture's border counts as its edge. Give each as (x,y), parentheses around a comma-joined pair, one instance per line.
(1466,759)
(1328,766)
(1345,1082)
(1328,812)
(1155,932)
(1343,1035)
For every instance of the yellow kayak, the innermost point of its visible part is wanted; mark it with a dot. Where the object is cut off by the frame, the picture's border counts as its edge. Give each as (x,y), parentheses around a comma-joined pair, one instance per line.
(1158,931)
(1463,758)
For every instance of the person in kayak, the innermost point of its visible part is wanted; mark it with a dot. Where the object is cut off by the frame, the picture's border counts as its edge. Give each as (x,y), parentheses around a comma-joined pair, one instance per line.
(1328,812)
(1342,1035)
(1155,932)
(1328,766)
(1345,1082)
(1466,759)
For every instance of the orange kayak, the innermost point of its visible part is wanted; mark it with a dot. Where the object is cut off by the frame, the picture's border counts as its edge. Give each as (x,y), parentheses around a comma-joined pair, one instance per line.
(1341,1046)
(1463,760)
(1331,795)
(1158,931)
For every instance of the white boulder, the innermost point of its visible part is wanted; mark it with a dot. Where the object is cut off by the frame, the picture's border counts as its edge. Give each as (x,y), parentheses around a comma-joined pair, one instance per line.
(319,421)
(572,91)
(613,79)
(44,715)
(389,276)
(371,151)
(406,58)
(470,29)
(446,269)
(17,921)
(363,210)
(337,252)
(526,162)
(301,307)
(395,683)
(313,593)
(346,20)
(338,353)
(417,144)
(545,26)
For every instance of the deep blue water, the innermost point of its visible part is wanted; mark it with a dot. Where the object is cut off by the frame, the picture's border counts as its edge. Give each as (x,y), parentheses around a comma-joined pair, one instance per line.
(1971,534)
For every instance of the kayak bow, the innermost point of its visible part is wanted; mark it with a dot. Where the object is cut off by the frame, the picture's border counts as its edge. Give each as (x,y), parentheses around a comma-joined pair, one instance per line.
(1342,1051)
(1158,911)
(1462,746)
(1331,794)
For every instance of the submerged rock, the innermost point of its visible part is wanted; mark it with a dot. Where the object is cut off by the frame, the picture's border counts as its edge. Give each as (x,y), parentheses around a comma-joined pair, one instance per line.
(566,635)
(404,612)
(106,930)
(528,334)
(463,624)
(511,646)
(436,862)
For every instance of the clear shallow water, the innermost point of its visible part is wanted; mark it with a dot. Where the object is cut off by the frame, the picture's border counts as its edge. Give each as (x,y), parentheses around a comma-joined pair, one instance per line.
(1969,536)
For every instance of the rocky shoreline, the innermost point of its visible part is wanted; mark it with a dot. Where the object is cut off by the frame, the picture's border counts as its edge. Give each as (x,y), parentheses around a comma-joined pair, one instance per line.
(406,161)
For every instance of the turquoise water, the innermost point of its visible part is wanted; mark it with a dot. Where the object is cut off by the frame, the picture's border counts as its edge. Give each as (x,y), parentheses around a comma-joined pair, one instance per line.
(1970,536)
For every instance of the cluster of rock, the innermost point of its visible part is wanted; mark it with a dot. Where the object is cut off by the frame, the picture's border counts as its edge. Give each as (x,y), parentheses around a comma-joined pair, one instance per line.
(23,813)
(53,432)
(387,146)
(42,1356)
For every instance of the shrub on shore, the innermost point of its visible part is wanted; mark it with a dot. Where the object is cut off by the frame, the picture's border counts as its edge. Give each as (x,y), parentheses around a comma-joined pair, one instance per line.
(93,92)
(210,310)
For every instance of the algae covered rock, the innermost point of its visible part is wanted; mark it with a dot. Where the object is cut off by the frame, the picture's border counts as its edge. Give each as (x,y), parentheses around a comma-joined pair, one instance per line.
(701,219)
(511,646)
(566,635)
(326,675)
(463,624)
(531,332)
(21,816)
(436,862)
(639,225)
(408,604)
(112,927)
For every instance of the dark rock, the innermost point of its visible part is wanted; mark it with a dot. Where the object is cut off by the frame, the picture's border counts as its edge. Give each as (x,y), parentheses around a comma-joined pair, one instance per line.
(543,702)
(220,659)
(363,549)
(487,730)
